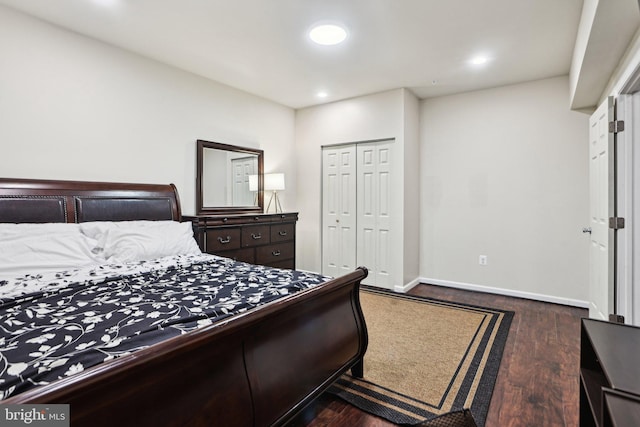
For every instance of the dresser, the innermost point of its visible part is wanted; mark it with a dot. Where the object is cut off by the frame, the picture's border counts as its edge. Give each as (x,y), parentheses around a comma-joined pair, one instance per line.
(265,239)
(609,375)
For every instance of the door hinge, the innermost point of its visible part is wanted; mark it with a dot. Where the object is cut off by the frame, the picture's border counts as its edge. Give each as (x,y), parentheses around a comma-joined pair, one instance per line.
(616,318)
(616,126)
(616,223)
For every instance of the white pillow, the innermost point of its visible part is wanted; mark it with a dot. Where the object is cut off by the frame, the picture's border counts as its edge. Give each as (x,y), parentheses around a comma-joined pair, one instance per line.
(24,229)
(96,229)
(127,241)
(39,248)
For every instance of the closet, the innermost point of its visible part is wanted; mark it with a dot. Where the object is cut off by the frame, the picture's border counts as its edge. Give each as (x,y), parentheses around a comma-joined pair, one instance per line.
(358,211)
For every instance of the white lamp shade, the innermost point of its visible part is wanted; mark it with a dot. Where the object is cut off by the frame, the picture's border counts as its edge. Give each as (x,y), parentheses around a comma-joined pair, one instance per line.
(253,182)
(274,181)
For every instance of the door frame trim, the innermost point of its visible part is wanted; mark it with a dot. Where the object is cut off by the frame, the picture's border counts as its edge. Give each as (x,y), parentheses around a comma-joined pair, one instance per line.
(627,266)
(625,187)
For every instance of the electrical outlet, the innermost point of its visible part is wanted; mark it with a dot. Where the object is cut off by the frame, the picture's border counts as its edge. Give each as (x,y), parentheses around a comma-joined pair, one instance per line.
(482,260)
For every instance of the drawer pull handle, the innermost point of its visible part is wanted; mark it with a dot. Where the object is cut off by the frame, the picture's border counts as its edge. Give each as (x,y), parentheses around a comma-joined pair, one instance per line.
(256,236)
(224,241)
(282,233)
(275,253)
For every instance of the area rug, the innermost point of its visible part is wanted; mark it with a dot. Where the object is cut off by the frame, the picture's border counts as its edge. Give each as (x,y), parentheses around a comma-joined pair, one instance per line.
(426,358)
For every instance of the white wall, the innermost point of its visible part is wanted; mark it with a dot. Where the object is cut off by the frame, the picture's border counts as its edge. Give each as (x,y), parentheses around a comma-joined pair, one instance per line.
(377,116)
(505,174)
(625,73)
(605,31)
(582,39)
(411,116)
(75,108)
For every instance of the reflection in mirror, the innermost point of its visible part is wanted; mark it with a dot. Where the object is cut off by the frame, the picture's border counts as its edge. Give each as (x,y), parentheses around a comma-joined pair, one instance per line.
(225,178)
(229,178)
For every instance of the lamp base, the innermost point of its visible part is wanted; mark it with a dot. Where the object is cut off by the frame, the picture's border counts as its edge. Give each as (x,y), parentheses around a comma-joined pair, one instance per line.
(276,203)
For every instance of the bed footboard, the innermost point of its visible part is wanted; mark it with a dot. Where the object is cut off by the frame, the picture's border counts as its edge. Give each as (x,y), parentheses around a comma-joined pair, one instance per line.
(304,349)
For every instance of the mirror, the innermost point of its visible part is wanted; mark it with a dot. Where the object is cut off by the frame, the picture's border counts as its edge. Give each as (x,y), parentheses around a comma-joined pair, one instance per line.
(229,179)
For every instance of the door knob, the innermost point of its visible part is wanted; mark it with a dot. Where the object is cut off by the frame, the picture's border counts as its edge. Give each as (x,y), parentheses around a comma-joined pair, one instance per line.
(586,230)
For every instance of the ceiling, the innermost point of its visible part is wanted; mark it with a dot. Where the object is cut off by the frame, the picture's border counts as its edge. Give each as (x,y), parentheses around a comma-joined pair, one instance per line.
(262,47)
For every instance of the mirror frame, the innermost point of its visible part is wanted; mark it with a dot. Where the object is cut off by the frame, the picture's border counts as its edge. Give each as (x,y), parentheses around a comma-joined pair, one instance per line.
(213,210)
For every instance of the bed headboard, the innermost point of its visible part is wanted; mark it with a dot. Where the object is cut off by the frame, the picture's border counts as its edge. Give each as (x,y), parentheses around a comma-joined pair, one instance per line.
(36,201)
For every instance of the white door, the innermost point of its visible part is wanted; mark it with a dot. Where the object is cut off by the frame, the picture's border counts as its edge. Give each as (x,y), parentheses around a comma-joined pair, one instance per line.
(242,168)
(338,210)
(374,211)
(602,207)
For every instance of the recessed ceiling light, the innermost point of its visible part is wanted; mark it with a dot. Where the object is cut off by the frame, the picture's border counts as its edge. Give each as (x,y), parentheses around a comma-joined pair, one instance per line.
(328,34)
(479,60)
(322,94)
(107,3)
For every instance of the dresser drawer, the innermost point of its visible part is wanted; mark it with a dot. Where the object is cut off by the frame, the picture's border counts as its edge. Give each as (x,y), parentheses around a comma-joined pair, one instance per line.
(282,232)
(288,263)
(244,255)
(274,253)
(255,235)
(222,239)
(235,220)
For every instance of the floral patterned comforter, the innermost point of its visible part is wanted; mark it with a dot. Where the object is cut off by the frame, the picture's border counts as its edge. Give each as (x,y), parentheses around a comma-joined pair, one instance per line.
(57,325)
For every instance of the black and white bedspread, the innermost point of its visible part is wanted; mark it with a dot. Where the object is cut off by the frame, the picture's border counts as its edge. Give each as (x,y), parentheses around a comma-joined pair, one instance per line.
(55,326)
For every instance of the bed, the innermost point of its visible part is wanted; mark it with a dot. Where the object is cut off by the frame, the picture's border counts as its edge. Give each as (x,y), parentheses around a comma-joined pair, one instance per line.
(258,367)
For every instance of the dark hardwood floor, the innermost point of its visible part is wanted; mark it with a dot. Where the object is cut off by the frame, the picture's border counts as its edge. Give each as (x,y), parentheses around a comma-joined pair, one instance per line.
(537,385)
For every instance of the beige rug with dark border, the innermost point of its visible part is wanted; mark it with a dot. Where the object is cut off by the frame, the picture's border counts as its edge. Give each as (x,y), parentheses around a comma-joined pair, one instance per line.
(426,358)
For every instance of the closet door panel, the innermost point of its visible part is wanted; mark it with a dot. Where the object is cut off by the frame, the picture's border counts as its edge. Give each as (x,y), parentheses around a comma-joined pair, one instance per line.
(330,208)
(338,210)
(367,250)
(383,270)
(384,215)
(374,211)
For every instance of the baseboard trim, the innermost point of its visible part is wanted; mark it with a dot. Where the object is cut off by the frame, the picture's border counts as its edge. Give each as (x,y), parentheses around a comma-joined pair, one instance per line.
(502,291)
(407,286)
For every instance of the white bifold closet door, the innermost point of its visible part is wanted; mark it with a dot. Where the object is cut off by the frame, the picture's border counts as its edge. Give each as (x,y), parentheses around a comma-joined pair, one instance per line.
(373,197)
(338,210)
(357,210)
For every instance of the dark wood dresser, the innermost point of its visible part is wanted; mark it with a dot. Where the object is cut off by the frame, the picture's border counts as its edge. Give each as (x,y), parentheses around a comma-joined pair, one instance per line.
(609,374)
(265,239)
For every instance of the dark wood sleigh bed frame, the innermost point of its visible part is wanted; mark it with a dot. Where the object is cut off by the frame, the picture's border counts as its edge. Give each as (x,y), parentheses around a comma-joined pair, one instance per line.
(258,368)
